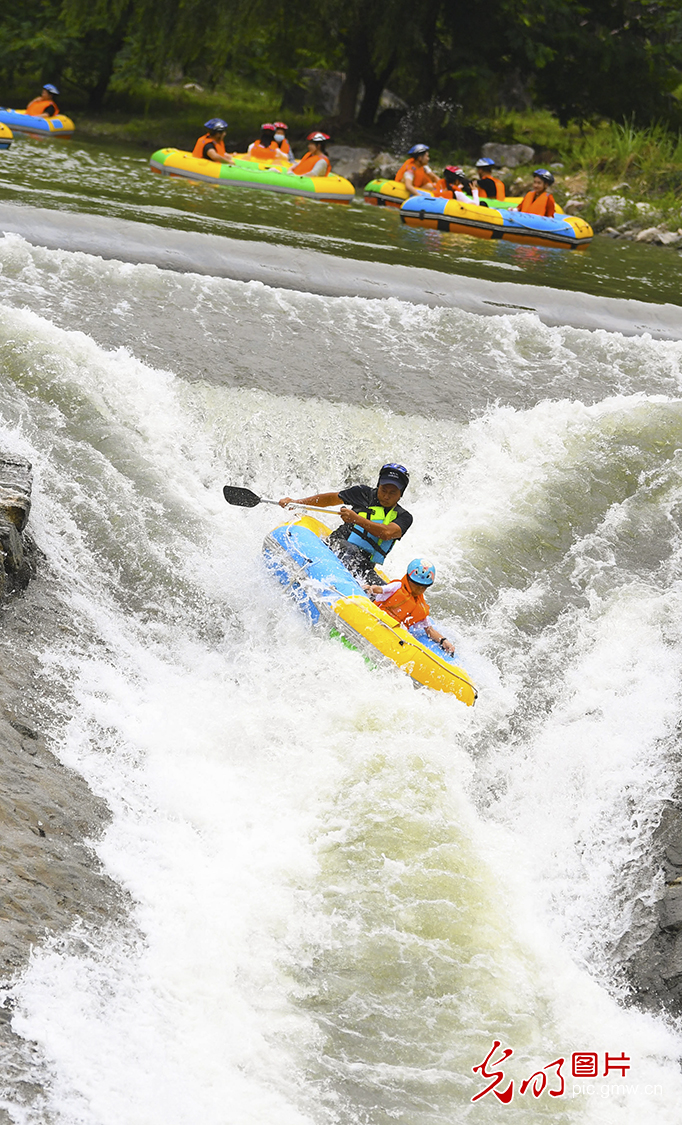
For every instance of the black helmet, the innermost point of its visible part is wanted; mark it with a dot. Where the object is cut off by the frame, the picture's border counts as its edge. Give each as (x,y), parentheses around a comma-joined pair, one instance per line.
(544,175)
(392,473)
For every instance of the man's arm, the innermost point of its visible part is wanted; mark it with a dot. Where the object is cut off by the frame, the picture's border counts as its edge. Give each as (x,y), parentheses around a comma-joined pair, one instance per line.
(379,530)
(319,500)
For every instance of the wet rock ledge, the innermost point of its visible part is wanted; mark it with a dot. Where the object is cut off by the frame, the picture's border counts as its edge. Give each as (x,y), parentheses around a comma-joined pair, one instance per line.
(49,875)
(18,551)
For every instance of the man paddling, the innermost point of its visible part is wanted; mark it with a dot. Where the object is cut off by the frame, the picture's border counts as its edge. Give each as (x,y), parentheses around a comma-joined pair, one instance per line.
(372,520)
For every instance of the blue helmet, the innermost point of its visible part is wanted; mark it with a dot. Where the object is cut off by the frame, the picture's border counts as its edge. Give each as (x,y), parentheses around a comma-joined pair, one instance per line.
(485,162)
(50,88)
(392,473)
(422,572)
(215,124)
(417,149)
(544,175)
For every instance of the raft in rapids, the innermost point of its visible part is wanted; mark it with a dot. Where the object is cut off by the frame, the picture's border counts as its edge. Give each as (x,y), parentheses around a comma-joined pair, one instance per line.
(22,122)
(332,597)
(268,175)
(491,222)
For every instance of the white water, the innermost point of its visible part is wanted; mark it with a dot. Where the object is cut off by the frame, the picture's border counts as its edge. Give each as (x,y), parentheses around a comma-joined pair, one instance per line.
(343,889)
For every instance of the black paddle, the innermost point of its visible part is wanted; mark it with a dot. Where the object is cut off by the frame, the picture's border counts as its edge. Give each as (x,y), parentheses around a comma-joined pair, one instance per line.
(244,498)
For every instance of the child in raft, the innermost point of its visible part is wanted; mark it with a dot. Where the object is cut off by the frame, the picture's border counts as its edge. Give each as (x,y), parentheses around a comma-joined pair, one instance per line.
(281,139)
(404,600)
(539,200)
(211,146)
(266,147)
(455,185)
(315,162)
(488,184)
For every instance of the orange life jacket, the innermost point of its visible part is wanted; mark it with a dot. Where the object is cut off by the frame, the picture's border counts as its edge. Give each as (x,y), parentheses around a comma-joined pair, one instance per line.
(259,152)
(420,177)
(309,161)
(404,606)
(442,190)
(285,148)
(543,205)
(38,106)
(198,149)
(500,190)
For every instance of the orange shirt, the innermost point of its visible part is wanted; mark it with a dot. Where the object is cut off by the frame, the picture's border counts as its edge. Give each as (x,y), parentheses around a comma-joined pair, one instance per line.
(199,147)
(542,205)
(39,105)
(259,152)
(404,606)
(442,191)
(420,177)
(307,162)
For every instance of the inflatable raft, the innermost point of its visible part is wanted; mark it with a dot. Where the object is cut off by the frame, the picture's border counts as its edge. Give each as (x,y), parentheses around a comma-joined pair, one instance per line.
(5,136)
(22,122)
(490,222)
(268,175)
(330,596)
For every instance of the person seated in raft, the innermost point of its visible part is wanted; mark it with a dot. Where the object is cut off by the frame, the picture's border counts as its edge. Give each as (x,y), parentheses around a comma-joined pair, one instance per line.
(539,201)
(44,105)
(211,146)
(455,185)
(281,138)
(415,172)
(489,185)
(266,148)
(404,600)
(315,162)
(372,520)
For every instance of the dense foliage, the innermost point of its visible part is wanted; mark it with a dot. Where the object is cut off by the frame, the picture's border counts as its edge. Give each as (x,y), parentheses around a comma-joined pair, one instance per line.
(579,58)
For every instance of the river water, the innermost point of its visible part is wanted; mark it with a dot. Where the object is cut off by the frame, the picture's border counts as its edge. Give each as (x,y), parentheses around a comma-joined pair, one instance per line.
(344,889)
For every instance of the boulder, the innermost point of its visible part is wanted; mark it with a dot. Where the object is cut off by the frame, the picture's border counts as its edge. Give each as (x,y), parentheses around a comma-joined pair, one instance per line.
(670,909)
(511,155)
(17,549)
(385,165)
(575,206)
(646,209)
(352,163)
(610,205)
(660,237)
(16,482)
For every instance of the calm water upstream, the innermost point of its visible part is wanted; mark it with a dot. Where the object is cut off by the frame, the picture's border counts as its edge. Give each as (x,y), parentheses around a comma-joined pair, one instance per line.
(343,889)
(115,180)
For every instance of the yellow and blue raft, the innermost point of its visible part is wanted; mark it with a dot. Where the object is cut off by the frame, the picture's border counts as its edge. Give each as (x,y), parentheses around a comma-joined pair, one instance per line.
(492,221)
(330,596)
(22,122)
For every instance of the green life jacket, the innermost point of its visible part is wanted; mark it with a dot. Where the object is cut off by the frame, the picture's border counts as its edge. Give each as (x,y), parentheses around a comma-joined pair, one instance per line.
(375,547)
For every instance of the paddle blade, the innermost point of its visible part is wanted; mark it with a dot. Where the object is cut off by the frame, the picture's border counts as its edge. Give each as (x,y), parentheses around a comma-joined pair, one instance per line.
(242,497)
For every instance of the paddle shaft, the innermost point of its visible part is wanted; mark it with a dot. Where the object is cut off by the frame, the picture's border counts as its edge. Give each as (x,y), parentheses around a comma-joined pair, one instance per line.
(307,507)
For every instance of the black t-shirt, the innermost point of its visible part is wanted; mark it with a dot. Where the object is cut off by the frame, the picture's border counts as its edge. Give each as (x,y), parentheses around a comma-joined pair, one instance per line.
(207,148)
(360,497)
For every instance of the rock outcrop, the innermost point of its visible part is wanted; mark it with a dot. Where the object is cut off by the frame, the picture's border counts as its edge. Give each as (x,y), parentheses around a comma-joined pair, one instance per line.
(17,549)
(511,155)
(655,970)
(50,876)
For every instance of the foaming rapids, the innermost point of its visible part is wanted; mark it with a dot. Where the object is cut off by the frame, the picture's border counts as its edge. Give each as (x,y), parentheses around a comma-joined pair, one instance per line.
(344,889)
